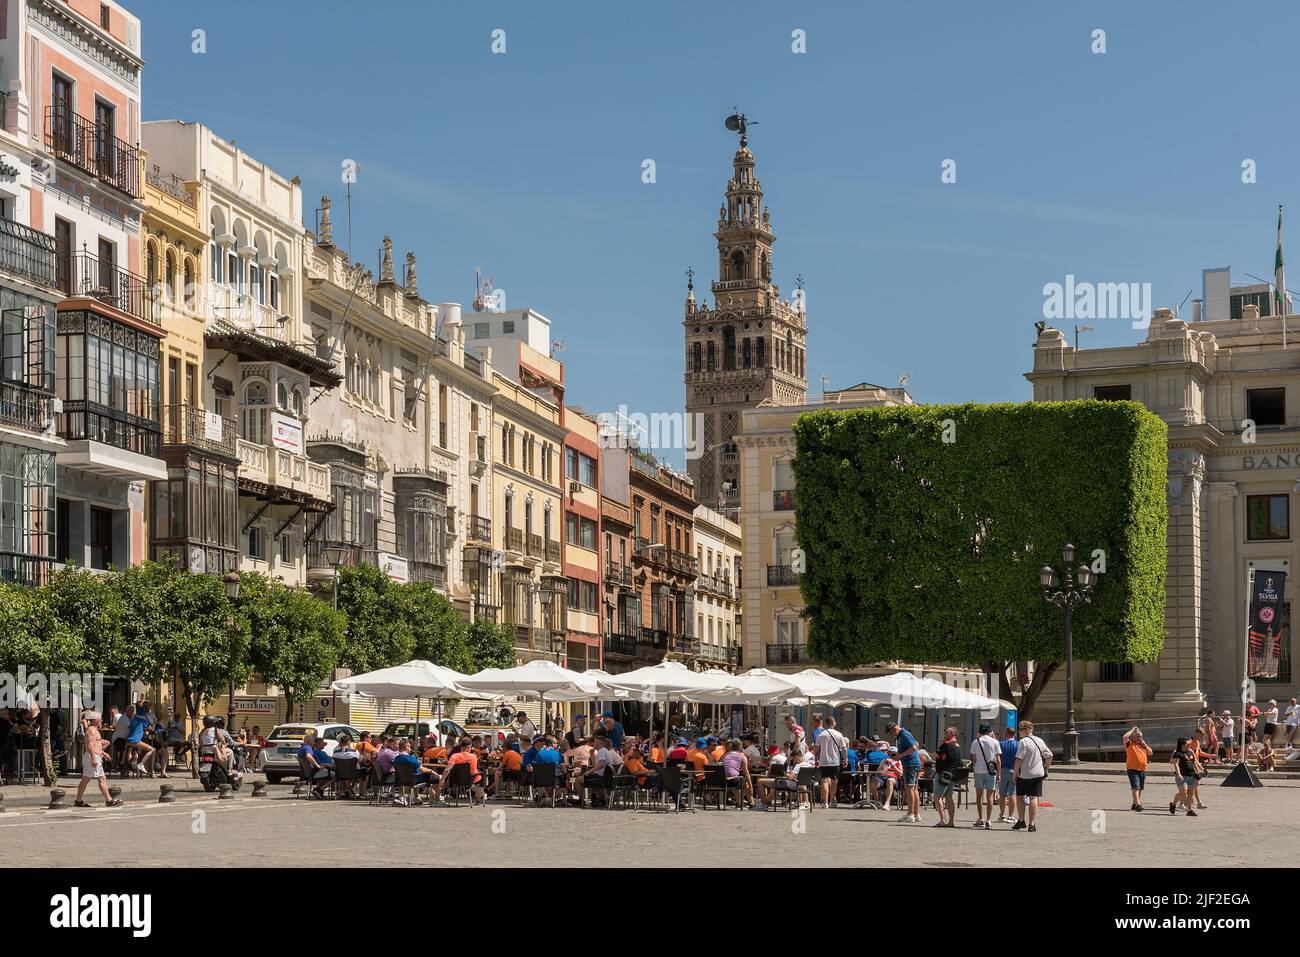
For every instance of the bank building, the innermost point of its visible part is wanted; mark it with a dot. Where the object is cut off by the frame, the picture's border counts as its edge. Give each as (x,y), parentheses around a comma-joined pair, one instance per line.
(1226,380)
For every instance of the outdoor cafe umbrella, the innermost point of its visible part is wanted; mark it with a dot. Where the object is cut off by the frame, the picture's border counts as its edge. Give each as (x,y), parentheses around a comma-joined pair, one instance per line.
(414,679)
(817,687)
(542,679)
(904,689)
(666,680)
(757,686)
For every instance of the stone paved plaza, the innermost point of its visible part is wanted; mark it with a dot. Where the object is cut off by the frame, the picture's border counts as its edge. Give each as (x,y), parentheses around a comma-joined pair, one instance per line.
(1239,829)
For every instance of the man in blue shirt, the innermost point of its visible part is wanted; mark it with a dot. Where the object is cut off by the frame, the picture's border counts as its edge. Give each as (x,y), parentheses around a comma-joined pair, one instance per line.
(1007,779)
(319,761)
(612,730)
(530,756)
(909,756)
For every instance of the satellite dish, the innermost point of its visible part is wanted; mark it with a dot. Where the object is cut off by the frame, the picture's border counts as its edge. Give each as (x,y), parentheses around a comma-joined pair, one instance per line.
(733,122)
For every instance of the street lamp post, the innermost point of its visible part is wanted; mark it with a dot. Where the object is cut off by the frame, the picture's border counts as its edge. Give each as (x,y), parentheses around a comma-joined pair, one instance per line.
(1068,594)
(336,554)
(231,581)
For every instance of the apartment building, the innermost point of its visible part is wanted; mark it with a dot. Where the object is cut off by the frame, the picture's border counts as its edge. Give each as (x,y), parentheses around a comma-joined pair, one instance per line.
(582,538)
(377,433)
(70,73)
(261,366)
(717,587)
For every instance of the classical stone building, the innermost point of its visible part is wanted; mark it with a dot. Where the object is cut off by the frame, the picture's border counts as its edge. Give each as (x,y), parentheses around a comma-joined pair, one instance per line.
(747,349)
(1230,393)
(582,539)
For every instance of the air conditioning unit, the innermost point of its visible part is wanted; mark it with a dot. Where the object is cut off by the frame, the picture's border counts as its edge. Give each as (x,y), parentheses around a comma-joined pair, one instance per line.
(574,487)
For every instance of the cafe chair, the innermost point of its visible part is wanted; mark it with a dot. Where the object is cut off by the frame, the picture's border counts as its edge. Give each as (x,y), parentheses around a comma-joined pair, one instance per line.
(347,771)
(545,777)
(677,787)
(458,784)
(379,783)
(404,782)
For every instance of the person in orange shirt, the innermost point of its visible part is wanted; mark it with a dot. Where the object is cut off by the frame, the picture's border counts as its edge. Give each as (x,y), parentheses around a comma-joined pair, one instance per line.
(1136,754)
(461,754)
(435,752)
(512,771)
(718,750)
(634,761)
(699,756)
(657,748)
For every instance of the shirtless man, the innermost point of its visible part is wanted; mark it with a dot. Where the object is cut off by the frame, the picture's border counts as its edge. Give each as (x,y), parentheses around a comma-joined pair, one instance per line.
(92,764)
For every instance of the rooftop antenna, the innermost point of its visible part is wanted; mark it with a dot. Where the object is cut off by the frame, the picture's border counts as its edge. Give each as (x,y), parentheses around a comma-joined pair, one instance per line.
(350,177)
(557,346)
(826,380)
(738,123)
(903,379)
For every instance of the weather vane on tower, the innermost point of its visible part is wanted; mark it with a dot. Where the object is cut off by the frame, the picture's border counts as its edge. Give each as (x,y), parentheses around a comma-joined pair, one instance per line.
(737,123)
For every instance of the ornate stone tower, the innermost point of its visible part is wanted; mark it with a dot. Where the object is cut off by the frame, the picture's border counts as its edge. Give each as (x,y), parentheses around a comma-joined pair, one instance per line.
(749,348)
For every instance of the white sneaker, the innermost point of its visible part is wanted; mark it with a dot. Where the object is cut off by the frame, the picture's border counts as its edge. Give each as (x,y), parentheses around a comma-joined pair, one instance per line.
(760,806)
(905,819)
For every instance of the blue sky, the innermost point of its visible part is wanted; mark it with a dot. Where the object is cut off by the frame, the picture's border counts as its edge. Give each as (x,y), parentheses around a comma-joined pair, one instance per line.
(1118,167)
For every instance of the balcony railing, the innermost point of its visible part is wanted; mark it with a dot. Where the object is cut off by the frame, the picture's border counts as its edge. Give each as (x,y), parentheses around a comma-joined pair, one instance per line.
(552,551)
(185,425)
(81,419)
(83,274)
(79,140)
(27,253)
(788,655)
(782,575)
(682,562)
(620,644)
(686,644)
(25,408)
(617,574)
(480,528)
(655,637)
(783,500)
(276,467)
(535,545)
(430,572)
(515,539)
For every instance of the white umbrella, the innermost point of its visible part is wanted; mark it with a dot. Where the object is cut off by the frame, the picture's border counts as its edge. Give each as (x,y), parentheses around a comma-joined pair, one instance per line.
(542,679)
(904,689)
(757,686)
(414,679)
(818,687)
(666,680)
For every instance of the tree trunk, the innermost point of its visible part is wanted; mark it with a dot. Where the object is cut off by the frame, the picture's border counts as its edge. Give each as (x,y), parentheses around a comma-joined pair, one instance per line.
(288,705)
(1043,671)
(47,755)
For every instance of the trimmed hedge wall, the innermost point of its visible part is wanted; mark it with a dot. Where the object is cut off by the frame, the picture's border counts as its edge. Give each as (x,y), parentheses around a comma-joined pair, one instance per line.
(922,550)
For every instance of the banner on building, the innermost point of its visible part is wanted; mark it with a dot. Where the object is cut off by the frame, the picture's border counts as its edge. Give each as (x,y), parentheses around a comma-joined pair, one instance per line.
(1266,627)
(286,433)
(213,426)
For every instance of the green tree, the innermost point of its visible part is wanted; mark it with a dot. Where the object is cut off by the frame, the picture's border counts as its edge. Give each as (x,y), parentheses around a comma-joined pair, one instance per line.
(295,639)
(438,630)
(34,644)
(491,645)
(379,632)
(172,618)
(923,528)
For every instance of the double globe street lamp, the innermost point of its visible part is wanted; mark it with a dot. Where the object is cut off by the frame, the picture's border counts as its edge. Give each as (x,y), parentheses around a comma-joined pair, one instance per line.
(1068,594)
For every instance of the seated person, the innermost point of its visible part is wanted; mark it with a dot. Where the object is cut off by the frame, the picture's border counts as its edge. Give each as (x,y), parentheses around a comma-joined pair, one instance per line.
(1265,755)
(783,775)
(424,775)
(344,751)
(888,773)
(635,763)
(699,756)
(461,754)
(679,753)
(550,754)
(322,765)
(512,770)
(607,759)
(435,752)
(716,749)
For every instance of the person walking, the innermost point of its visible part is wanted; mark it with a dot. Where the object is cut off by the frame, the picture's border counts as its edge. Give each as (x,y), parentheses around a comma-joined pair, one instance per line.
(1136,754)
(1229,735)
(909,756)
(1007,777)
(92,761)
(1290,718)
(1183,760)
(986,760)
(1033,758)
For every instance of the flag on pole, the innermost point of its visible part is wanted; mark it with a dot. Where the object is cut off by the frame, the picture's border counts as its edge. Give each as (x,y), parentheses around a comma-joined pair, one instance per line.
(1279,278)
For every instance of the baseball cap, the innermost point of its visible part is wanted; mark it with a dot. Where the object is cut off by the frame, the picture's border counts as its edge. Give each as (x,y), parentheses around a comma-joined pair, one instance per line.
(577,716)
(701,740)
(985,727)
(683,742)
(608,714)
(773,749)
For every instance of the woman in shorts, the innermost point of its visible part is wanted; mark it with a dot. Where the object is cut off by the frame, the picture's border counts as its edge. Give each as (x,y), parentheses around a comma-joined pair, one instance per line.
(1184,763)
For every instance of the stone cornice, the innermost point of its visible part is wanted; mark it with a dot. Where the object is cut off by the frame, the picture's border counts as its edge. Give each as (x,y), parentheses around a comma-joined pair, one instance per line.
(79,33)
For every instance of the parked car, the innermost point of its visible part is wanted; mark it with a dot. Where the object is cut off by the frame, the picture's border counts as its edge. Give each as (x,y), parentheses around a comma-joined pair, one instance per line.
(440,729)
(280,756)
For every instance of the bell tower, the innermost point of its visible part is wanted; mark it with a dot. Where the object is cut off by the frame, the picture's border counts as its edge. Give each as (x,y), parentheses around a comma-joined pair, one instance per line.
(750,347)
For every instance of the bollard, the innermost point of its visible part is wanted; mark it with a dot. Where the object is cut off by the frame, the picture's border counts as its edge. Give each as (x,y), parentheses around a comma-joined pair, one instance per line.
(259,789)
(114,792)
(2,802)
(165,795)
(58,800)
(224,793)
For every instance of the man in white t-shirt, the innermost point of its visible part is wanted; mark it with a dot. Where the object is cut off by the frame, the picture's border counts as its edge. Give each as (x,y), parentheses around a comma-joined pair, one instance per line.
(832,755)
(986,760)
(1290,718)
(1228,735)
(606,757)
(1033,758)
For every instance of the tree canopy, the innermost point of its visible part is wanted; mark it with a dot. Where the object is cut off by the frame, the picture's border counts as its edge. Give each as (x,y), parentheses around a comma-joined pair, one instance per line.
(923,529)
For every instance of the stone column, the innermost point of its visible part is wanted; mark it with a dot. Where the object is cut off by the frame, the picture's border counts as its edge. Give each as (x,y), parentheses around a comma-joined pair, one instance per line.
(1179,668)
(1222,612)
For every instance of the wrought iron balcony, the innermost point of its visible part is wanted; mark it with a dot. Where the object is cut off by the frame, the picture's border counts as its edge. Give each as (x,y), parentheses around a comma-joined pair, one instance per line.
(81,419)
(480,528)
(552,550)
(79,140)
(186,425)
(432,572)
(620,644)
(85,275)
(783,500)
(686,644)
(27,253)
(788,655)
(515,539)
(25,408)
(534,545)
(618,575)
(655,637)
(782,575)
